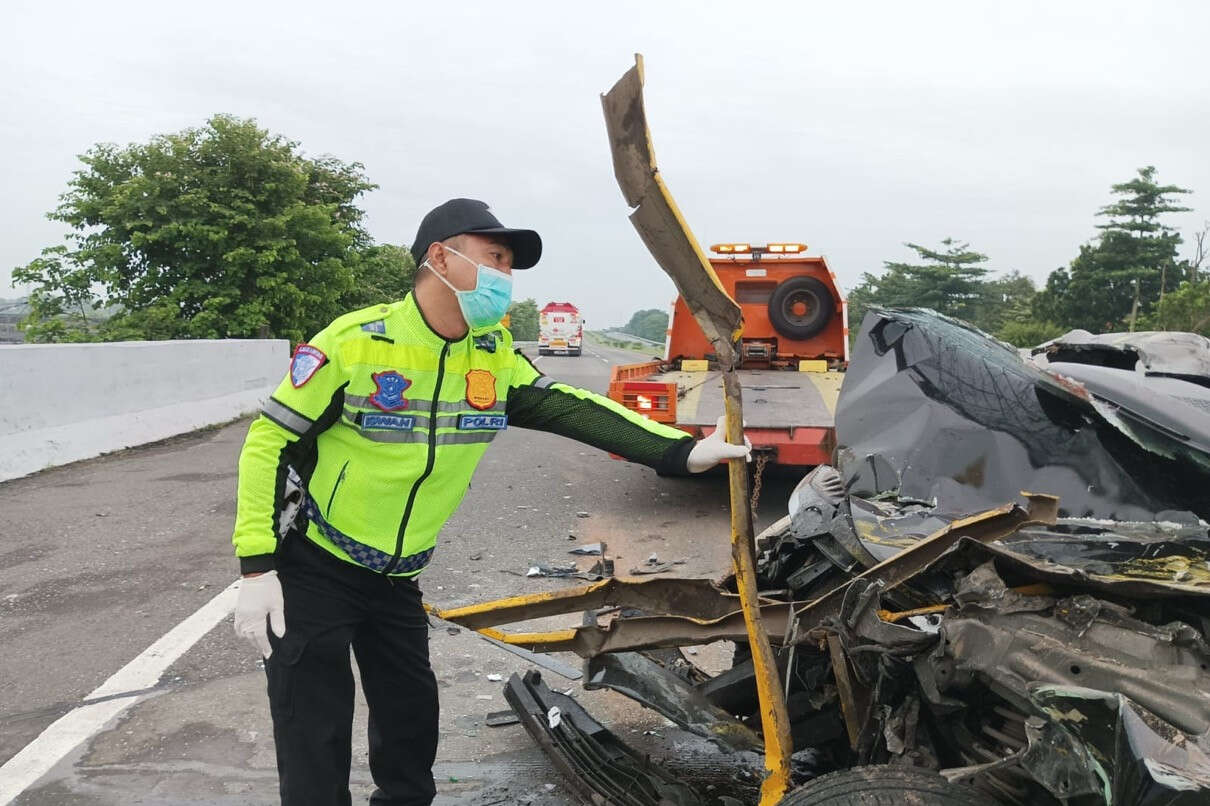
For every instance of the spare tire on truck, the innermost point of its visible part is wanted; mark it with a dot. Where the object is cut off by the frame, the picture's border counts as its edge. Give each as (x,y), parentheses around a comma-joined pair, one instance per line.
(800,307)
(883,785)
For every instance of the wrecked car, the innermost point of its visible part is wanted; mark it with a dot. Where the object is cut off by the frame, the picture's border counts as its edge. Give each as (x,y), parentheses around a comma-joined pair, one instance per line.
(1000,594)
(932,409)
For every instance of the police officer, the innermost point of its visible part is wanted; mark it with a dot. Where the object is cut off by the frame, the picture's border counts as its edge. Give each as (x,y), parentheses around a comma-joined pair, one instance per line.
(360,456)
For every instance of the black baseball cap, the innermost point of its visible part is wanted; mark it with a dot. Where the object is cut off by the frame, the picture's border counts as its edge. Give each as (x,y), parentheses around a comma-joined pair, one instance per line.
(461,216)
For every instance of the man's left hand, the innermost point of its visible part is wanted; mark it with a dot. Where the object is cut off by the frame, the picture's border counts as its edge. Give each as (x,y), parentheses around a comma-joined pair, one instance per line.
(713,449)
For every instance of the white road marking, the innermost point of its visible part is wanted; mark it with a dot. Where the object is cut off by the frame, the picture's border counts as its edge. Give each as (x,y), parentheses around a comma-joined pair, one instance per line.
(78,725)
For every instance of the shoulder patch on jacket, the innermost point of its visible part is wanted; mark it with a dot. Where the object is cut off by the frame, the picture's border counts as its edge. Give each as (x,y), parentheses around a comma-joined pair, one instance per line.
(306,362)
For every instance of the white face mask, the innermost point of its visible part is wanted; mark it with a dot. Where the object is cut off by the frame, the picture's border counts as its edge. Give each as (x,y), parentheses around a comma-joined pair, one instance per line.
(488,301)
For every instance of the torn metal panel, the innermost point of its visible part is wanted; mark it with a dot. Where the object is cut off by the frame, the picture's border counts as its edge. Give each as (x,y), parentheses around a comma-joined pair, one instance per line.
(1060,762)
(1137,758)
(691,611)
(658,221)
(1153,353)
(984,527)
(698,598)
(886,529)
(1138,560)
(599,768)
(651,632)
(642,679)
(1167,415)
(932,409)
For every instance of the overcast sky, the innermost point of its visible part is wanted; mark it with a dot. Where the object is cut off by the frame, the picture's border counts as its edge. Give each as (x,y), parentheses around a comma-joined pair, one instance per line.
(852,127)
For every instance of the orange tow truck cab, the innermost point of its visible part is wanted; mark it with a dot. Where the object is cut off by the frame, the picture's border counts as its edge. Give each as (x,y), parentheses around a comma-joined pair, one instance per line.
(793,349)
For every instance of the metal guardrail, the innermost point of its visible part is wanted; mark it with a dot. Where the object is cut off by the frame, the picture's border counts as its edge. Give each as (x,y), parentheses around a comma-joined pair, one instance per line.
(619,335)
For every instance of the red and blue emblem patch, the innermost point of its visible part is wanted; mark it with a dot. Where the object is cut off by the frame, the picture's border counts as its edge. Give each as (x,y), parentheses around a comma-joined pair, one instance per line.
(390,388)
(306,362)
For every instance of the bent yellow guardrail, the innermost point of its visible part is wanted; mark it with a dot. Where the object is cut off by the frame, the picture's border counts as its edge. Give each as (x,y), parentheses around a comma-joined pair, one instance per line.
(670,241)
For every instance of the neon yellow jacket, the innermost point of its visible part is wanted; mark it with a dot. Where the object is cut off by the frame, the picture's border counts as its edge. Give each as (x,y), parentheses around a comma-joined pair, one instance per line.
(380,423)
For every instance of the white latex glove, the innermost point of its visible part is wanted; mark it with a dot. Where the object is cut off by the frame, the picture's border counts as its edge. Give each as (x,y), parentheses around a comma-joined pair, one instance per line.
(713,449)
(260,596)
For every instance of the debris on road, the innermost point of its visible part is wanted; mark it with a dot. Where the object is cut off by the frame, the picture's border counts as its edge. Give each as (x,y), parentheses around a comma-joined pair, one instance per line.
(552,570)
(588,549)
(654,566)
(601,569)
(498,719)
(598,767)
(550,664)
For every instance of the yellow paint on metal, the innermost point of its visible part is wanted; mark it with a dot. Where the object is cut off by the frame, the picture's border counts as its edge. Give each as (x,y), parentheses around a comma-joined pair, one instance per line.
(657,218)
(813,365)
(522,638)
(694,365)
(691,271)
(828,385)
(775,717)
(456,613)
(1036,589)
(553,641)
(1192,572)
(890,615)
(686,407)
(671,242)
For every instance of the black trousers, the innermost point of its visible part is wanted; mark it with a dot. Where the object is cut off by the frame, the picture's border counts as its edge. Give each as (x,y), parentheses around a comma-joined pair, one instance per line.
(330,606)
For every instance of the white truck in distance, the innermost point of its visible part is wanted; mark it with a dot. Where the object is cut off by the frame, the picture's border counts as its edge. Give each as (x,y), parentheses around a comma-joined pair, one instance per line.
(560,329)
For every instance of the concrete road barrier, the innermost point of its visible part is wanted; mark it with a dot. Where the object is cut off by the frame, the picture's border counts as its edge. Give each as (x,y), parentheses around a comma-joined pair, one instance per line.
(60,403)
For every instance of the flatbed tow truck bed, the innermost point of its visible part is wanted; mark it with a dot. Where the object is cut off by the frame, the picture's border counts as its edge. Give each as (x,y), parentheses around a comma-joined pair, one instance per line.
(787,414)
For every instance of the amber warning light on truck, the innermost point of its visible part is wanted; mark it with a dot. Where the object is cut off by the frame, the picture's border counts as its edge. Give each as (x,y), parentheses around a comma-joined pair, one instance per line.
(767,249)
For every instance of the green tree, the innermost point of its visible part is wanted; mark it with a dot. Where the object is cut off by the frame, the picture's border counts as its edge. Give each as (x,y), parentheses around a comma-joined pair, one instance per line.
(1134,257)
(219,231)
(1005,300)
(1029,332)
(1187,308)
(523,320)
(381,273)
(649,323)
(948,280)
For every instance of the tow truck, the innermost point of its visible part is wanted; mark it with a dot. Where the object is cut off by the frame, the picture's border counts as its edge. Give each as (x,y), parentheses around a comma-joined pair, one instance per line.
(793,352)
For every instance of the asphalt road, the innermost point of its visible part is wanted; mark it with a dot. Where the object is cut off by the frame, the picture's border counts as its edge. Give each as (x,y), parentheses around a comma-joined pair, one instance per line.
(100,559)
